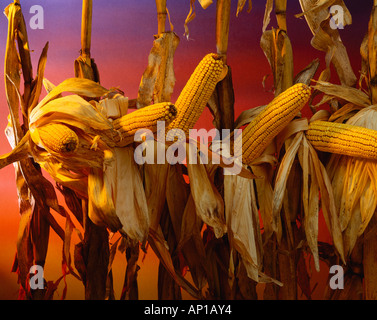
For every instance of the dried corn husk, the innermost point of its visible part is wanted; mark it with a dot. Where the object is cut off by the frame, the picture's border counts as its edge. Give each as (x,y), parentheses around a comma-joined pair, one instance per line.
(327,39)
(353,181)
(208,202)
(157,82)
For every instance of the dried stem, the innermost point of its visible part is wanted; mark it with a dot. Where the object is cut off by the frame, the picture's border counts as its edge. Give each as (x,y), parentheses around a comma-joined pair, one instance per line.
(161,15)
(222,26)
(86,28)
(280,11)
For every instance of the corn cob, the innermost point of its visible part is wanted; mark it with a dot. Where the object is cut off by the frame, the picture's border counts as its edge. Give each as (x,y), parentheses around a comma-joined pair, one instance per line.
(260,132)
(58,137)
(196,93)
(144,118)
(343,139)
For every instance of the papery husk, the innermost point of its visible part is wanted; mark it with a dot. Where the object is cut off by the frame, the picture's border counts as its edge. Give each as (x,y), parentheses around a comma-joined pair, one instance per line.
(157,82)
(155,184)
(208,202)
(315,180)
(343,92)
(326,39)
(243,225)
(281,181)
(101,208)
(79,86)
(131,202)
(353,181)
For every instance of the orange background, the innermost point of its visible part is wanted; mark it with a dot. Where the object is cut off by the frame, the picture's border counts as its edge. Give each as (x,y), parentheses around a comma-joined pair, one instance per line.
(122,37)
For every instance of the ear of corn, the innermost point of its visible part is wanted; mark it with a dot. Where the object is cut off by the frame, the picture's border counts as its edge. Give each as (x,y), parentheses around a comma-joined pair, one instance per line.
(58,138)
(196,93)
(266,125)
(345,139)
(144,118)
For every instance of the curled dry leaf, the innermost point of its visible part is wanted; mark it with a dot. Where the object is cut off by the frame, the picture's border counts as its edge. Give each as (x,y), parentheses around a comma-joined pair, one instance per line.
(343,92)
(328,39)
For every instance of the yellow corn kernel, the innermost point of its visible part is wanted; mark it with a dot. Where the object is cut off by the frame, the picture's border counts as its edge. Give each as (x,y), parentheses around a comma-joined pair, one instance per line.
(196,93)
(144,118)
(260,132)
(345,139)
(58,137)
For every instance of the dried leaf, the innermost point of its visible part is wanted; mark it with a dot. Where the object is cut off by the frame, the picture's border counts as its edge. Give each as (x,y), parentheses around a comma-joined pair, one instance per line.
(205,3)
(157,82)
(267,13)
(307,74)
(241,4)
(281,181)
(159,246)
(208,202)
(130,200)
(327,39)
(278,51)
(346,93)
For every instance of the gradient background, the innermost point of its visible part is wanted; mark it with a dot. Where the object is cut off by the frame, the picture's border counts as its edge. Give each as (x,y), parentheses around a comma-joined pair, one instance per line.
(122,37)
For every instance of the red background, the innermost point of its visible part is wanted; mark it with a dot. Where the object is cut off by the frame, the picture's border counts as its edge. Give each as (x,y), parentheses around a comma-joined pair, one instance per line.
(122,37)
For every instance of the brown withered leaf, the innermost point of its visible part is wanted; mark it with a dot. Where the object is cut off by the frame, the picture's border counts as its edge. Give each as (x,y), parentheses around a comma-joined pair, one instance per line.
(208,201)
(307,74)
(241,5)
(38,81)
(350,94)
(277,48)
(281,182)
(155,185)
(264,194)
(267,13)
(243,225)
(372,54)
(328,39)
(158,80)
(131,203)
(159,246)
